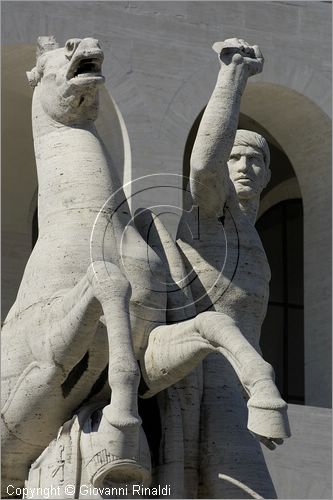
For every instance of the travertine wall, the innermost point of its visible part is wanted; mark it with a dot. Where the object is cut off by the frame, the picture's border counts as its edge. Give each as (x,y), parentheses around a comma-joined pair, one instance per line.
(160,71)
(302,468)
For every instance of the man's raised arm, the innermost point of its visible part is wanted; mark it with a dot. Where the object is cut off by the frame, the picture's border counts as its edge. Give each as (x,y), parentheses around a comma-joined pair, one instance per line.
(209,172)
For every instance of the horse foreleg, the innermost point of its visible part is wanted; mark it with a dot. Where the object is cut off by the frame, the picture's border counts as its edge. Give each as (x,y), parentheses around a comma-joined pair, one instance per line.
(267,410)
(119,424)
(174,350)
(113,291)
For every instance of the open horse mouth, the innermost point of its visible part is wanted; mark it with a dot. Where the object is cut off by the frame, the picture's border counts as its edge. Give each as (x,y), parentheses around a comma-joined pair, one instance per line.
(86,68)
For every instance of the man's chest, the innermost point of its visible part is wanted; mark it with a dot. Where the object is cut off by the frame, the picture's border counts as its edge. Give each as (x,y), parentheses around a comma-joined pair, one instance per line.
(227,257)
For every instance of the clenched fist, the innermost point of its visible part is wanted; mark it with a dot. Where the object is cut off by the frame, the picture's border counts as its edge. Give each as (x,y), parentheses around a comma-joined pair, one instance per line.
(237,51)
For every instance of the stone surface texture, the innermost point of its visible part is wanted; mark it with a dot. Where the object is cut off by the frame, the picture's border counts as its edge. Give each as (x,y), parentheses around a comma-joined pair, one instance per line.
(94,293)
(161,102)
(161,71)
(302,465)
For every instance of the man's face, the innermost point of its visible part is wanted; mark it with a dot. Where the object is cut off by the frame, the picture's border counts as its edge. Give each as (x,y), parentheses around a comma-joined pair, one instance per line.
(247,171)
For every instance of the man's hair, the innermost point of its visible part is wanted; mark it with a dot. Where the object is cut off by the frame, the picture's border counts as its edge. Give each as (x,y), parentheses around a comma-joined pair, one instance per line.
(249,138)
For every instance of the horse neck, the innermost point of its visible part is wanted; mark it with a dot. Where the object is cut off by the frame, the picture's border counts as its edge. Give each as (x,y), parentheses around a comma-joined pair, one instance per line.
(74,170)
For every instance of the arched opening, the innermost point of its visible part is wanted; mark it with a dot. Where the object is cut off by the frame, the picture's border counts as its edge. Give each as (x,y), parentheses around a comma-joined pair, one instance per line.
(303,129)
(282,334)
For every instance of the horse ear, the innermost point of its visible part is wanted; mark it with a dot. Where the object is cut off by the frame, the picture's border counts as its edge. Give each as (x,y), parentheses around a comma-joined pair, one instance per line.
(218,46)
(46,43)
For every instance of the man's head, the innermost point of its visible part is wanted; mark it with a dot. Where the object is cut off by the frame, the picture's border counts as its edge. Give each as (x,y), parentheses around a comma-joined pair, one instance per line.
(249,164)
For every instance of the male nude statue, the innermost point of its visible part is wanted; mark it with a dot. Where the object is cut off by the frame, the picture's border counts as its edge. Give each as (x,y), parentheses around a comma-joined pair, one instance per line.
(229,169)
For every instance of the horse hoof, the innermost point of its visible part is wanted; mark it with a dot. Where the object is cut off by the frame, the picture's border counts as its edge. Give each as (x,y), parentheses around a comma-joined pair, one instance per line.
(114,455)
(268,422)
(121,471)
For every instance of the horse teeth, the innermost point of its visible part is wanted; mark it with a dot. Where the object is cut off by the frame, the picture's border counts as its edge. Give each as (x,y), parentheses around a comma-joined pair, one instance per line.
(87,75)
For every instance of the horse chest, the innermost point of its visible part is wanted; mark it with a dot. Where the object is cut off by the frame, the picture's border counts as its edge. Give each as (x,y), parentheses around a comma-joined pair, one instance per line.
(232,272)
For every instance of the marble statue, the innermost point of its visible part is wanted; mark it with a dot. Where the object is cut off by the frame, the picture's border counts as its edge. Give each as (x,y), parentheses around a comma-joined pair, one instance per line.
(91,315)
(227,269)
(53,346)
(229,169)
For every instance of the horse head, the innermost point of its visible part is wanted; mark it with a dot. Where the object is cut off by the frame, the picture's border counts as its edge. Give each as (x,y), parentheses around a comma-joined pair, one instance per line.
(66,79)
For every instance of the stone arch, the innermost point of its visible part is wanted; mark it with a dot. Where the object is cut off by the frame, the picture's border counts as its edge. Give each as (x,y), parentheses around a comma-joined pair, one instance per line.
(279,342)
(304,132)
(286,190)
(280,227)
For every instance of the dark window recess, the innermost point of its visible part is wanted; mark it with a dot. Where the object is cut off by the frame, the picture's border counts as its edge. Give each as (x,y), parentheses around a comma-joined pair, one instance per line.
(282,334)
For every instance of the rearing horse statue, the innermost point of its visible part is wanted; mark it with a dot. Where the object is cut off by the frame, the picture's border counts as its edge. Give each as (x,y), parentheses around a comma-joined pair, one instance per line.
(82,304)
